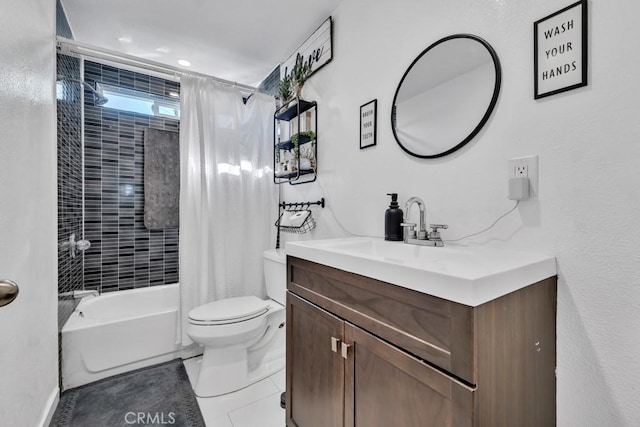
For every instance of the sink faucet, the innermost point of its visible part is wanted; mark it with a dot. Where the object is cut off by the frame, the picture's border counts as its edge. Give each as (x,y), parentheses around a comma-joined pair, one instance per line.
(421,237)
(422,231)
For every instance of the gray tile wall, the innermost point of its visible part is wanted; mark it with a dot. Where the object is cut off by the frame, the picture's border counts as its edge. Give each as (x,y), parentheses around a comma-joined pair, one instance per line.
(70,270)
(271,83)
(62,24)
(124,254)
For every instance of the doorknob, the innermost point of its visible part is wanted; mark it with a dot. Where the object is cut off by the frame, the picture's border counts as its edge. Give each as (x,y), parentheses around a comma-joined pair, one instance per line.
(8,292)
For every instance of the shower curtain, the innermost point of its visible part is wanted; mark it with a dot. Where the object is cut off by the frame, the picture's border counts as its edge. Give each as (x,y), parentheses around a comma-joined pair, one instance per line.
(228,202)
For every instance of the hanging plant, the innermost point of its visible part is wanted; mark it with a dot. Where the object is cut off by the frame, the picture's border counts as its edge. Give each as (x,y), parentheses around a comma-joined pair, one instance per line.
(308,133)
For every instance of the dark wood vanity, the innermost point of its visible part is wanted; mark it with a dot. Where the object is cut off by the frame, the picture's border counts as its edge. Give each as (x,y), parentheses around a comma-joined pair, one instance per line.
(361,352)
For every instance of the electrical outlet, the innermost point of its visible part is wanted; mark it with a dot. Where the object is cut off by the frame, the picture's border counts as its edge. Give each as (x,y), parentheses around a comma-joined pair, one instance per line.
(522,167)
(522,170)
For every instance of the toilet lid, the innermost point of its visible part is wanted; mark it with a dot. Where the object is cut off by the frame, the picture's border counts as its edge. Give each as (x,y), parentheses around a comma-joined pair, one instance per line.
(229,310)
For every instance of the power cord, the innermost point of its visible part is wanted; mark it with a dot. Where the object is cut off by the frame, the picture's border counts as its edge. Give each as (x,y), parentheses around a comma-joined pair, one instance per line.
(489,227)
(344,229)
(335,218)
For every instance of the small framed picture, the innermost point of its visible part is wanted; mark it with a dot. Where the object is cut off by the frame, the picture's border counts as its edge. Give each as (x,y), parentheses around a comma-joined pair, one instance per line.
(368,129)
(560,51)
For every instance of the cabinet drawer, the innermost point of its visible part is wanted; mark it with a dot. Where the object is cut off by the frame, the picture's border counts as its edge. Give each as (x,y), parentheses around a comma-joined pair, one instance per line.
(436,330)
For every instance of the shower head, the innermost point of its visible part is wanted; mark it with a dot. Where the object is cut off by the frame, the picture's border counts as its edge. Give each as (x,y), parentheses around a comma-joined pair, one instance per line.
(98,93)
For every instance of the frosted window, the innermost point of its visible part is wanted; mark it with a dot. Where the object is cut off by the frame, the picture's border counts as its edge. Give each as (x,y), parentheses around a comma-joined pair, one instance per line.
(140,102)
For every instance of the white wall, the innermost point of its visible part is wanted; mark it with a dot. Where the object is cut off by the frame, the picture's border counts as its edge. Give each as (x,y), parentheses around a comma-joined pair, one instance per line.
(28,326)
(588,142)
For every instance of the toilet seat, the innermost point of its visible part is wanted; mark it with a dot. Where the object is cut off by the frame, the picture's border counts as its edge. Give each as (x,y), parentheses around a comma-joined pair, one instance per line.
(227,311)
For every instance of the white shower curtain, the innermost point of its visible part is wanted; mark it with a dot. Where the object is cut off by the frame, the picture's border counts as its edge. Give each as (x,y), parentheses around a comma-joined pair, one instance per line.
(228,201)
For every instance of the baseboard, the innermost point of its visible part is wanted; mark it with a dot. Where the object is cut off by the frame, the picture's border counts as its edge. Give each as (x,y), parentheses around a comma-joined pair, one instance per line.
(50,408)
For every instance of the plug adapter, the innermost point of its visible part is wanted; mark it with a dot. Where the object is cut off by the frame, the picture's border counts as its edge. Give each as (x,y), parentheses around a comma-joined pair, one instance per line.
(519,188)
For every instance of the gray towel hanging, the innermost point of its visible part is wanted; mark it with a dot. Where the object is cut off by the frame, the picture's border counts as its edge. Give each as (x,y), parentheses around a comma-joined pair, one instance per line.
(161,179)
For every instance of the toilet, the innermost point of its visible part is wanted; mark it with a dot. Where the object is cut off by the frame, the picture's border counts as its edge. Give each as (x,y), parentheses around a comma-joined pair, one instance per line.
(243,337)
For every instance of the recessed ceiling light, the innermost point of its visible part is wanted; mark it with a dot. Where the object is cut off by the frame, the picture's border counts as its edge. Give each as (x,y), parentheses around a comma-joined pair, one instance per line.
(124,39)
(184,62)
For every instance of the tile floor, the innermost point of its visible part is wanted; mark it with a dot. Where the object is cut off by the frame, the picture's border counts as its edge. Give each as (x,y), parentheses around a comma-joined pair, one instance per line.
(255,406)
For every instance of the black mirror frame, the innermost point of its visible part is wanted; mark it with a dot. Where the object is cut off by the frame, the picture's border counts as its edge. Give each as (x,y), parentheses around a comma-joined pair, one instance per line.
(485,117)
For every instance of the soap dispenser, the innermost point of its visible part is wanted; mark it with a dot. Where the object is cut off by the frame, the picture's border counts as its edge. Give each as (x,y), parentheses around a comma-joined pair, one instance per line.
(393,217)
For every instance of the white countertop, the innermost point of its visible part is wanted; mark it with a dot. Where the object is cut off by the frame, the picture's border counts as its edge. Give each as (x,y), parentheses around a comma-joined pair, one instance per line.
(466,275)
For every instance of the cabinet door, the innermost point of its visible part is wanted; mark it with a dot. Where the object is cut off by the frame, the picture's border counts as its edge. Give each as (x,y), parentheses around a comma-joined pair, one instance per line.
(387,387)
(315,372)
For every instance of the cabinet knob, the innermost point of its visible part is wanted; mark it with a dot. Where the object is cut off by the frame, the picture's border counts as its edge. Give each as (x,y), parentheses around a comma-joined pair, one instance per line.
(334,344)
(345,350)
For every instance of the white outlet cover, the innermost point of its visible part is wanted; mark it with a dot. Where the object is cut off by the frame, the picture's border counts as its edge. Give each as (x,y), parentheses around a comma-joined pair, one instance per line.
(532,171)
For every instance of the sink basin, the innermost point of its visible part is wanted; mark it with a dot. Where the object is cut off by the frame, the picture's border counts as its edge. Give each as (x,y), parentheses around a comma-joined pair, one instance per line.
(467,275)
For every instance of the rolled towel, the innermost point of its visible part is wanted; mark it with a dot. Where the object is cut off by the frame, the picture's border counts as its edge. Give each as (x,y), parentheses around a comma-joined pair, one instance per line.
(305,164)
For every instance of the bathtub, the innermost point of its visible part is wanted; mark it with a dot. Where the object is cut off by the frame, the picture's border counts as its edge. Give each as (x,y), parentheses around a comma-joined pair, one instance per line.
(120,331)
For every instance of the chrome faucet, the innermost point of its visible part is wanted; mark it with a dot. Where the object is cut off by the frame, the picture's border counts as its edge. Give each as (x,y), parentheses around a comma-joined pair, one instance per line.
(421,237)
(77,294)
(422,231)
(76,246)
(86,292)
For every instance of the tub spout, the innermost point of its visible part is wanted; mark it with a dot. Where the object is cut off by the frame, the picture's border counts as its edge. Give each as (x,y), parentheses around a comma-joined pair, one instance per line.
(84,293)
(79,294)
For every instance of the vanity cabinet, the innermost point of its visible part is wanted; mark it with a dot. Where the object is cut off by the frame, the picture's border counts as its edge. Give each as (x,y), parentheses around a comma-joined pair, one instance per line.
(361,352)
(318,372)
(295,137)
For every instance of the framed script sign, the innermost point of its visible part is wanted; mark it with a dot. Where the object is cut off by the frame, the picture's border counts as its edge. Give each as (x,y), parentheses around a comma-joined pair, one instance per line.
(316,50)
(368,133)
(560,50)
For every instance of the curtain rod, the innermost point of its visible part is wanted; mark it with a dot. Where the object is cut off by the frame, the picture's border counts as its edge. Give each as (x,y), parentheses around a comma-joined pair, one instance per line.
(79,48)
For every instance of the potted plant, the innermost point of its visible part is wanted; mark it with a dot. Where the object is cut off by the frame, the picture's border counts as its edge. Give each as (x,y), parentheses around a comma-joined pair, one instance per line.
(300,73)
(284,89)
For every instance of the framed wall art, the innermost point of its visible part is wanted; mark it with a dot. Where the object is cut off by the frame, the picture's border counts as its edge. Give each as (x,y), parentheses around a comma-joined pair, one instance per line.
(368,127)
(560,50)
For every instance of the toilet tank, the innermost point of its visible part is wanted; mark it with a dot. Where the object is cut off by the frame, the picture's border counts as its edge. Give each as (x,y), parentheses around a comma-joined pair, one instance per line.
(275,274)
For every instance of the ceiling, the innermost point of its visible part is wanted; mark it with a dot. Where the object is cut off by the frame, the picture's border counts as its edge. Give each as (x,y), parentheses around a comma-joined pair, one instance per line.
(237,40)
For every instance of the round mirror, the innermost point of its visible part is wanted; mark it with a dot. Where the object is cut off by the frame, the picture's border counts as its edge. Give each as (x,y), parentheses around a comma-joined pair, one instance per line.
(446,96)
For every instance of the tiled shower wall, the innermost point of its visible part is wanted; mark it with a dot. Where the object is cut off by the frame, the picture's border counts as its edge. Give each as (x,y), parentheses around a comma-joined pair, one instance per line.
(70,270)
(271,83)
(124,254)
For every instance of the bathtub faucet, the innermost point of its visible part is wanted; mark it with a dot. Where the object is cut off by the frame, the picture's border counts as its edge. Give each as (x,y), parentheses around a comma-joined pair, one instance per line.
(79,294)
(84,293)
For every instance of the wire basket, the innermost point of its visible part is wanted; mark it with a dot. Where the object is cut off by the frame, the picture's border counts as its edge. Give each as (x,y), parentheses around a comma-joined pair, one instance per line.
(308,223)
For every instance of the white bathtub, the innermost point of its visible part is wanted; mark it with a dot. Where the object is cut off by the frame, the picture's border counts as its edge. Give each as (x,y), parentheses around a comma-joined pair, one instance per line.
(120,331)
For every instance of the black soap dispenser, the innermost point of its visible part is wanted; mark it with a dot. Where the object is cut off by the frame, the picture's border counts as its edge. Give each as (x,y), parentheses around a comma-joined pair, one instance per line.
(393,217)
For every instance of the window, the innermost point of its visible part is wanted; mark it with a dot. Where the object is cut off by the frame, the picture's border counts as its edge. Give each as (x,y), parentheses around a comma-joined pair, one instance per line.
(141,102)
(60,90)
